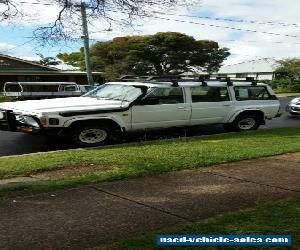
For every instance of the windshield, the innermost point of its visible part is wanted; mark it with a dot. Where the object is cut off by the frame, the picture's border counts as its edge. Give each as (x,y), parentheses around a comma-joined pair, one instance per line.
(117,92)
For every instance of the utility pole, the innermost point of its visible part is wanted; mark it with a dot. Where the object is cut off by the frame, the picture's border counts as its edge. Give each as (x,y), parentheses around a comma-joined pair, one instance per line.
(86,42)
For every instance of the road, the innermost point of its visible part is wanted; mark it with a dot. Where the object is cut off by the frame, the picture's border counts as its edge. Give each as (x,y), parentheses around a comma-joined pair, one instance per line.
(19,143)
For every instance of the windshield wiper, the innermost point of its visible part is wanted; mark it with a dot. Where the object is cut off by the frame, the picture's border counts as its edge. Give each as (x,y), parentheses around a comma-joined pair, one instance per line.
(104,98)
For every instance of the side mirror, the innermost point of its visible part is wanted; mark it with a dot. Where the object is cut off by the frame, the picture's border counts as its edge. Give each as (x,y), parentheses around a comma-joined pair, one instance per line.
(149,101)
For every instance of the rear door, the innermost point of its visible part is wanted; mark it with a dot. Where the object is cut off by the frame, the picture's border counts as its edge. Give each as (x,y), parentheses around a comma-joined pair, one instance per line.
(170,111)
(210,104)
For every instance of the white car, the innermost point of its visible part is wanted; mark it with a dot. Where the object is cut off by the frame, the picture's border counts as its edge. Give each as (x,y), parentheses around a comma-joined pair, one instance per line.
(121,107)
(42,90)
(294,106)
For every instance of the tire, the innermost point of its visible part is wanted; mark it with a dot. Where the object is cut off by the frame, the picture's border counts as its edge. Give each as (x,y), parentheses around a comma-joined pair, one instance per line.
(245,122)
(90,135)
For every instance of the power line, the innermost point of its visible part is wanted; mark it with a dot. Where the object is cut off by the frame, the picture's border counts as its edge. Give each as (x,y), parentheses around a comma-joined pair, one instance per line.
(213,25)
(225,27)
(199,23)
(36,3)
(253,41)
(272,23)
(17,46)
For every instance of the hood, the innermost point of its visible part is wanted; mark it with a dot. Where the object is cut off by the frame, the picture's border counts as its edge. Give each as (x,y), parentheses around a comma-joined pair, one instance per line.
(295,101)
(62,105)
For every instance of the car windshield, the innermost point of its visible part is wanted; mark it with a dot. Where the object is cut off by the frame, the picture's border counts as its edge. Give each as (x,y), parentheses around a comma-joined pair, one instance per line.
(117,92)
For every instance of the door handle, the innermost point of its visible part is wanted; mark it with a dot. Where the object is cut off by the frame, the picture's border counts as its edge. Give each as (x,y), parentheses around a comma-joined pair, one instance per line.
(227,105)
(181,107)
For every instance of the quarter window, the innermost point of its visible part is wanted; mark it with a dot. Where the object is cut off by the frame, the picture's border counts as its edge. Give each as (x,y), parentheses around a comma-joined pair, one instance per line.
(70,88)
(243,93)
(209,94)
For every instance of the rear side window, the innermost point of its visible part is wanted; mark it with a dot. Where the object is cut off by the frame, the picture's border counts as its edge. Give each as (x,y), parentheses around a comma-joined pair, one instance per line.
(168,95)
(40,88)
(70,88)
(209,94)
(244,93)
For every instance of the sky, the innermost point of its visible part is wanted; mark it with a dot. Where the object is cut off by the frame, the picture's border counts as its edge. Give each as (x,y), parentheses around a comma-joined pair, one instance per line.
(250,29)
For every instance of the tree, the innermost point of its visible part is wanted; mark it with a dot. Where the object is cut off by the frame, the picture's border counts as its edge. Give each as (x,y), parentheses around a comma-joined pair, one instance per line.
(159,54)
(48,61)
(75,59)
(289,68)
(8,9)
(288,75)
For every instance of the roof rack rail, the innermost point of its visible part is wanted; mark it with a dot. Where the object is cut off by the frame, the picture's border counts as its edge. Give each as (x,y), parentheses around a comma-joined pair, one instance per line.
(132,78)
(252,80)
(175,79)
(203,79)
(225,79)
(165,78)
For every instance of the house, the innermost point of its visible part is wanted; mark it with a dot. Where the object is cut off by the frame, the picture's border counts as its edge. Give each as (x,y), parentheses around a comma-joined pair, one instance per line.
(262,69)
(14,69)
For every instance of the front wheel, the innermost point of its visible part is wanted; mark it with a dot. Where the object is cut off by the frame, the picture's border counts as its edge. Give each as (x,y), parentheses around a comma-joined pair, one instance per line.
(90,135)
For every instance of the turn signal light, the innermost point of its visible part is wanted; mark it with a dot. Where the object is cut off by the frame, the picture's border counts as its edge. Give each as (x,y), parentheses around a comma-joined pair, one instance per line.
(43,121)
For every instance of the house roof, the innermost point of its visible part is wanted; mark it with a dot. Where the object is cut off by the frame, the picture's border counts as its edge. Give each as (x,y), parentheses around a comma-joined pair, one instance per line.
(48,73)
(28,62)
(264,65)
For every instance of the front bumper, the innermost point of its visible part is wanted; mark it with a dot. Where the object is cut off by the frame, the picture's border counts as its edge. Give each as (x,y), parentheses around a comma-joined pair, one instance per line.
(293,109)
(9,123)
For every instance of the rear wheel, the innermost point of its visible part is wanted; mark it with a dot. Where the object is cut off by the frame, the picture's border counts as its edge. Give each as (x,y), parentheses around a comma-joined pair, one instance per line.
(91,135)
(244,122)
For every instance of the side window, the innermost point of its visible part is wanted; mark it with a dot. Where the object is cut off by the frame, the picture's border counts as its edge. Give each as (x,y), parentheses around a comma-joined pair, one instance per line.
(12,88)
(209,94)
(244,93)
(70,88)
(167,95)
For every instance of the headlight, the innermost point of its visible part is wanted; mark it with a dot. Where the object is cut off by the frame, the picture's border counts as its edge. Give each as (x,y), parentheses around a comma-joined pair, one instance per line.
(2,115)
(27,120)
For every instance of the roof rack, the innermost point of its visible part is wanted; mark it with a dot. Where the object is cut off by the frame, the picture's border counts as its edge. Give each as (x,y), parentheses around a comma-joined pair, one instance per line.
(175,79)
(225,79)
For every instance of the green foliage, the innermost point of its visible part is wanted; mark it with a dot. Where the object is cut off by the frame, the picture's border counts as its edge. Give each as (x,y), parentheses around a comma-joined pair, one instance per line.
(5,99)
(162,53)
(284,85)
(75,59)
(287,76)
(289,68)
(48,61)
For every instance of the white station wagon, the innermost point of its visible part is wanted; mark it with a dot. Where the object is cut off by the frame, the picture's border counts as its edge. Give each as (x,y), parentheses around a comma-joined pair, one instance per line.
(121,107)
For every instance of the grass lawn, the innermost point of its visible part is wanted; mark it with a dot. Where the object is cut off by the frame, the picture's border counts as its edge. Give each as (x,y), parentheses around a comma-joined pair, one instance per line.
(288,94)
(148,159)
(271,218)
(5,99)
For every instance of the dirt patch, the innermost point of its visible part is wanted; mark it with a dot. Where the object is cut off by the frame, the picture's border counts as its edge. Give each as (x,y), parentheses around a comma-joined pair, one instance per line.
(288,157)
(71,171)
